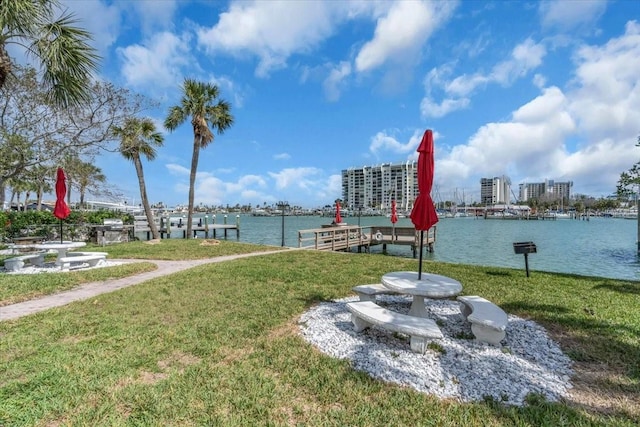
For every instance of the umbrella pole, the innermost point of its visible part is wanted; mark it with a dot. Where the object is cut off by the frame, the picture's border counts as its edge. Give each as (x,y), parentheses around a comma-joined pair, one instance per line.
(61,232)
(420,259)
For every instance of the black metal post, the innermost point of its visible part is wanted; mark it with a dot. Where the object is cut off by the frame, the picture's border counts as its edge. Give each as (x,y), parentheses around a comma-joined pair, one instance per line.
(282,205)
(526,263)
(420,259)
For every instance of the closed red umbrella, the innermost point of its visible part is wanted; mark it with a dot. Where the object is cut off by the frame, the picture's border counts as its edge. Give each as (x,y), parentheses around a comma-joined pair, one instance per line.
(423,214)
(394,218)
(61,210)
(394,212)
(338,219)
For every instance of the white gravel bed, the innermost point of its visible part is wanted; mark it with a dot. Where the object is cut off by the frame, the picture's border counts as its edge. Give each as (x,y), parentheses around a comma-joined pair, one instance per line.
(50,267)
(528,361)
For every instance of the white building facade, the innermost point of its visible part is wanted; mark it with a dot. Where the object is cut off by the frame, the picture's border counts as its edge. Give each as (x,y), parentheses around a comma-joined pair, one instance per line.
(496,190)
(376,186)
(547,190)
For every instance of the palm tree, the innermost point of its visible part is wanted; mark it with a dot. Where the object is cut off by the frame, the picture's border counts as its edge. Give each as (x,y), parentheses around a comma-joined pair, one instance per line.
(197,102)
(61,49)
(139,137)
(87,177)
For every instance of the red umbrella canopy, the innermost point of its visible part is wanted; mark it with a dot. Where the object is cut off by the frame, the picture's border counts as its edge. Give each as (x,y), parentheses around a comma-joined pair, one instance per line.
(338,219)
(423,214)
(394,212)
(61,211)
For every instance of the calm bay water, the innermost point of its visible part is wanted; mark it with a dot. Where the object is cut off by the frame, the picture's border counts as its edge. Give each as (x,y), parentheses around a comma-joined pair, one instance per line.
(604,247)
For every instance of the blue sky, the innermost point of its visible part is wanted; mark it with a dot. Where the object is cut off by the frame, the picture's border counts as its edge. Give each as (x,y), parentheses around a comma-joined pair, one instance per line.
(533,90)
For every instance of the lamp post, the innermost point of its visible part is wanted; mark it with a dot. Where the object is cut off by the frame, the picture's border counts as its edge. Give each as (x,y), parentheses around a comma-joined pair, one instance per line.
(359,214)
(282,205)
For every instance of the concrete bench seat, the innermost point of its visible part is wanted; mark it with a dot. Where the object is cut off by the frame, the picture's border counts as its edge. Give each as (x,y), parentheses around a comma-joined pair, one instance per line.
(367,313)
(16,263)
(75,253)
(92,260)
(488,321)
(369,292)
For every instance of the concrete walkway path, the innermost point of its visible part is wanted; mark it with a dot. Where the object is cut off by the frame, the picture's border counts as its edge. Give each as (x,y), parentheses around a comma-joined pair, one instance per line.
(88,290)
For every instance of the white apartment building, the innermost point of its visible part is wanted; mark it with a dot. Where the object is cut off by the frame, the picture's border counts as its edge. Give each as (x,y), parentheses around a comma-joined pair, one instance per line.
(547,190)
(496,190)
(375,186)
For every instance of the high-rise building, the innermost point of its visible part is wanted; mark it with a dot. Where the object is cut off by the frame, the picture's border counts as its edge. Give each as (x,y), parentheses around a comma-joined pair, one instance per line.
(496,190)
(547,190)
(375,186)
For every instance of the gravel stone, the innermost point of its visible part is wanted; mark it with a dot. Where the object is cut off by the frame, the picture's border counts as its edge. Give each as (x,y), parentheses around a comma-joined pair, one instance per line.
(527,362)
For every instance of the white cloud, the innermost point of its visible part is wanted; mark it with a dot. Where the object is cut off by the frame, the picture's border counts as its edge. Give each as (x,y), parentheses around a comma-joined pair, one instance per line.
(272,31)
(334,82)
(429,108)
(383,141)
(282,156)
(212,190)
(153,14)
(598,116)
(175,169)
(539,81)
(158,62)
(529,142)
(525,57)
(567,15)
(227,86)
(104,21)
(402,32)
(295,178)
(606,94)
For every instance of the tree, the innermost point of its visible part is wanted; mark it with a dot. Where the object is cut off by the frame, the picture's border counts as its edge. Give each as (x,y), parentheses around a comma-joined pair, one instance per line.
(197,102)
(88,176)
(35,132)
(138,137)
(60,48)
(625,187)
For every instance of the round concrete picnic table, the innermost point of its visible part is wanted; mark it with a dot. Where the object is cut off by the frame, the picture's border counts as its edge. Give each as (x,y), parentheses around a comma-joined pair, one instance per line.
(62,248)
(429,286)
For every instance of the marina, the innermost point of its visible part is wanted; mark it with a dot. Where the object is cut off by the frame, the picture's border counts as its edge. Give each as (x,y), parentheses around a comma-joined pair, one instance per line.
(602,246)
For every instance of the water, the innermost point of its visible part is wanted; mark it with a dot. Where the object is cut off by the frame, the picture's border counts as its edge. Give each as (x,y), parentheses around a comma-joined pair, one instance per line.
(604,247)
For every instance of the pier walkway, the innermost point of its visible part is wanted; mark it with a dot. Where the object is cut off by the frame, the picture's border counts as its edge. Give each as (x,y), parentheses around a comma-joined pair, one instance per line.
(347,237)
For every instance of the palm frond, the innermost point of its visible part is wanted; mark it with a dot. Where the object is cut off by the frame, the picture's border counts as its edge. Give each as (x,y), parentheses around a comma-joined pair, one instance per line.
(68,60)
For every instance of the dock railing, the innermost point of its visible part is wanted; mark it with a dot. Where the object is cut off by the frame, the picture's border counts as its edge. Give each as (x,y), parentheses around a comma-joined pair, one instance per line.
(336,238)
(344,237)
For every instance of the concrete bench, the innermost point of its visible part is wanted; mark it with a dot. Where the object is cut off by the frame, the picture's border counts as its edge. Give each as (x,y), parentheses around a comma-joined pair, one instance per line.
(367,313)
(86,253)
(92,260)
(16,263)
(488,321)
(369,292)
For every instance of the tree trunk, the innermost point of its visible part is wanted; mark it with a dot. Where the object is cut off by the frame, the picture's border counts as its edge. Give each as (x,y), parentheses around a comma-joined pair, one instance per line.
(192,182)
(145,200)
(638,218)
(39,198)
(3,190)
(5,64)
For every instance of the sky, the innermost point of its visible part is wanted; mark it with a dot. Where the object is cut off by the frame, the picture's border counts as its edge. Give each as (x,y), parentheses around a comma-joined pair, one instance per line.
(530,90)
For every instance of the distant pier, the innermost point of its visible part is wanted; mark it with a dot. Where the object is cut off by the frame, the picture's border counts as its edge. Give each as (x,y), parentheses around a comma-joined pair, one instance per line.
(345,238)
(168,226)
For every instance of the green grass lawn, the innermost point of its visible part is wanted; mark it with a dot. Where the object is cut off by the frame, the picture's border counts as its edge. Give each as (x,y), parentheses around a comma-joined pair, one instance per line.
(219,345)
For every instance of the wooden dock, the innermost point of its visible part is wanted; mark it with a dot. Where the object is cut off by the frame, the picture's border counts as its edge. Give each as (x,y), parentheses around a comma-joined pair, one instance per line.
(345,238)
(201,227)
